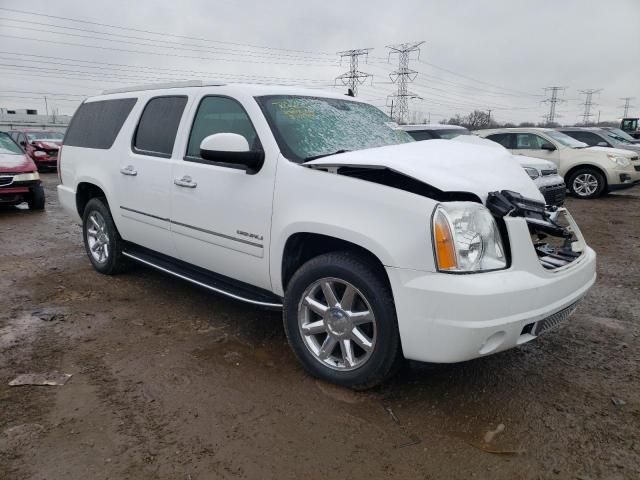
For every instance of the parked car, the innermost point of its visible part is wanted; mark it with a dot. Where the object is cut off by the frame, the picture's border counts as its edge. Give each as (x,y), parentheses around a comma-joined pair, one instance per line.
(621,134)
(375,246)
(40,145)
(543,172)
(19,178)
(599,137)
(588,171)
(435,131)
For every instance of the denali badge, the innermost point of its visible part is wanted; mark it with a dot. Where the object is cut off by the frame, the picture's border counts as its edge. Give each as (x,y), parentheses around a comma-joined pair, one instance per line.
(250,235)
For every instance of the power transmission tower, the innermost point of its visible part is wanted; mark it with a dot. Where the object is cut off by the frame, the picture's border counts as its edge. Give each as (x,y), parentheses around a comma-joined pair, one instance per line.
(402,76)
(588,103)
(627,106)
(553,100)
(354,77)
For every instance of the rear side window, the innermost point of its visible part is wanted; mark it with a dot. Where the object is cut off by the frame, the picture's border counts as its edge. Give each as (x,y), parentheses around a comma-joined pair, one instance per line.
(158,126)
(97,124)
(420,134)
(589,138)
(503,139)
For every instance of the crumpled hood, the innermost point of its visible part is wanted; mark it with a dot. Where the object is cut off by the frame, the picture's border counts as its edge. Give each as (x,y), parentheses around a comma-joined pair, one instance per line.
(446,165)
(14,163)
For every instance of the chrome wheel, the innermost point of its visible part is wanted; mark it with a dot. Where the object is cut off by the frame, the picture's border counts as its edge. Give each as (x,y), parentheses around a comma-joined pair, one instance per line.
(337,324)
(98,238)
(585,184)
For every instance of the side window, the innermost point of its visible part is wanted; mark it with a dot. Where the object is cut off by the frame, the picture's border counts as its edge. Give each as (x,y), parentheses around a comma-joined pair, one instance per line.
(420,135)
(589,138)
(220,115)
(158,126)
(503,139)
(97,124)
(528,141)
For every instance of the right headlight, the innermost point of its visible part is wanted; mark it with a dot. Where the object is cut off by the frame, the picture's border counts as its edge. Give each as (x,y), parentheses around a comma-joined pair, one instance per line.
(532,172)
(466,238)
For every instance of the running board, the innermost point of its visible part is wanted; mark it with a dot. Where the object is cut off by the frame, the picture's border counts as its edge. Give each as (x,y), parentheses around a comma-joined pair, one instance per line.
(203,278)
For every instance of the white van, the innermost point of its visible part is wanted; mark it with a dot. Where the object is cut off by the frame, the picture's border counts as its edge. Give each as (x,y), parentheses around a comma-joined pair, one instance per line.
(375,248)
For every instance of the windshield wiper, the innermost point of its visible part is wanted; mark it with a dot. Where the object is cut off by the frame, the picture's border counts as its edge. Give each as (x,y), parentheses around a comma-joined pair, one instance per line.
(315,157)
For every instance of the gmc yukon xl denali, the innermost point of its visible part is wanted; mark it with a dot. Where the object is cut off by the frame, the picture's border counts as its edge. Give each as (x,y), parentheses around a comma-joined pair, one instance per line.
(375,246)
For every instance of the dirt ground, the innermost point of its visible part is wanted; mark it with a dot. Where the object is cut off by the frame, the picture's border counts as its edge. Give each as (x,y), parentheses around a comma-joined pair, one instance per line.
(172,382)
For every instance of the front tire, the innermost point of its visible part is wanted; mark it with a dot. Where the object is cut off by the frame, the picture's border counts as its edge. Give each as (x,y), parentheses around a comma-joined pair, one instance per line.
(101,238)
(36,198)
(340,320)
(587,183)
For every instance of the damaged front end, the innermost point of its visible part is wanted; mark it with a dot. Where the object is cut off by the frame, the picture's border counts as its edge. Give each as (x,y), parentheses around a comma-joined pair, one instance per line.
(555,235)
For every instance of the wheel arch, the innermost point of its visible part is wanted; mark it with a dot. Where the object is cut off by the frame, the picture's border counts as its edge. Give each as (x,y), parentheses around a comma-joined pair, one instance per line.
(591,166)
(300,247)
(85,191)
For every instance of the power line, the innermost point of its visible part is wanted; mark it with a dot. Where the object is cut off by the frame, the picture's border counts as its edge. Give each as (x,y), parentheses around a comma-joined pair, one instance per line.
(402,76)
(553,100)
(588,103)
(301,62)
(163,34)
(354,77)
(161,54)
(173,44)
(152,70)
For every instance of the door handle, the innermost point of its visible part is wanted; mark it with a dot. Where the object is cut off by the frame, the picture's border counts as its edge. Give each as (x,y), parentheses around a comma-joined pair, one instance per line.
(185,181)
(129,170)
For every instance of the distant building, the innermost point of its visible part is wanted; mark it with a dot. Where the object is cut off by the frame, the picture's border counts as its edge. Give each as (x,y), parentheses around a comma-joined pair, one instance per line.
(17,118)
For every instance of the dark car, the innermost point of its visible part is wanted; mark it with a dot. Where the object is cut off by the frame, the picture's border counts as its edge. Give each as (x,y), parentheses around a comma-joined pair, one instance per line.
(19,178)
(40,145)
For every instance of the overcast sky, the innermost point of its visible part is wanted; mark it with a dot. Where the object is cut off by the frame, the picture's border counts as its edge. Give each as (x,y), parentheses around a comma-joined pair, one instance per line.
(495,55)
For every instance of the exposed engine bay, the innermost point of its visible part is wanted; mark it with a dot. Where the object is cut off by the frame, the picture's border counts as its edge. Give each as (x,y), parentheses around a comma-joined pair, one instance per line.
(552,228)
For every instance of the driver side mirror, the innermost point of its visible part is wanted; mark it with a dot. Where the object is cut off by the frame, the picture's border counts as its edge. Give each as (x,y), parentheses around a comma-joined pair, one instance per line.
(233,149)
(548,146)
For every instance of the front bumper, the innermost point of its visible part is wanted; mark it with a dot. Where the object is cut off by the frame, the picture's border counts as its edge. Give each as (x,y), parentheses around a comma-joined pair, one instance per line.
(445,318)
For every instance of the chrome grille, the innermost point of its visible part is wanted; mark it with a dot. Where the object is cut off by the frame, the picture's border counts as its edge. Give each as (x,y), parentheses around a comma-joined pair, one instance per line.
(4,181)
(551,171)
(554,320)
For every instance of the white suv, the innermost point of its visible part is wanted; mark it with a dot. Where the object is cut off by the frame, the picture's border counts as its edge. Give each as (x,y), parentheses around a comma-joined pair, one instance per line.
(588,171)
(375,246)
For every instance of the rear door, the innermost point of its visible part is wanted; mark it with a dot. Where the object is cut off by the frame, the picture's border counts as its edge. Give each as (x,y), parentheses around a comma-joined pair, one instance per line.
(145,175)
(221,216)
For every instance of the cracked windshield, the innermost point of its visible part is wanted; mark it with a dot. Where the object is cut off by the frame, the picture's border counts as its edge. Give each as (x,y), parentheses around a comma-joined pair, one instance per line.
(311,127)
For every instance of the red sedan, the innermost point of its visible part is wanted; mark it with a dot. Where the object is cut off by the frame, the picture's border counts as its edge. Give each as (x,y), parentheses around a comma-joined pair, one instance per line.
(41,145)
(19,178)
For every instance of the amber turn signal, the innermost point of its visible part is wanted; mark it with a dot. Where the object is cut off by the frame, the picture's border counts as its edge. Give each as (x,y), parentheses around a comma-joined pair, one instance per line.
(445,249)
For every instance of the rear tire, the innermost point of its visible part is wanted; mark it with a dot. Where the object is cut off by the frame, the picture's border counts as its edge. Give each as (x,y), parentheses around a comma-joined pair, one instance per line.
(36,198)
(102,241)
(327,325)
(587,183)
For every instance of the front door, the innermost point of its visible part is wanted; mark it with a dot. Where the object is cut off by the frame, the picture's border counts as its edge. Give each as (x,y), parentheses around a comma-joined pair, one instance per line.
(145,176)
(530,145)
(221,216)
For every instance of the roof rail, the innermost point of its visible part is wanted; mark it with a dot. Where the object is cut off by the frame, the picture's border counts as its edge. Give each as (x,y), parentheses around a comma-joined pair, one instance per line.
(159,86)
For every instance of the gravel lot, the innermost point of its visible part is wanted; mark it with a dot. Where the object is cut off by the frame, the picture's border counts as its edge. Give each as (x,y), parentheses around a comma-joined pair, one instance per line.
(172,382)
